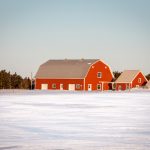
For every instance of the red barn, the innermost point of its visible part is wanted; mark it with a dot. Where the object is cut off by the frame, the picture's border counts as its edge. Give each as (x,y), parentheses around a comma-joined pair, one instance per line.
(130,79)
(79,74)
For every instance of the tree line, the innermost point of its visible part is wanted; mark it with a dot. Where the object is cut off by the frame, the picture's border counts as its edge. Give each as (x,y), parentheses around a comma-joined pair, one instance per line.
(14,81)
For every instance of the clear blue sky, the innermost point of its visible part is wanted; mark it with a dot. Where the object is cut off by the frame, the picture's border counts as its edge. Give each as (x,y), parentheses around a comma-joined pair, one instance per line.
(33,31)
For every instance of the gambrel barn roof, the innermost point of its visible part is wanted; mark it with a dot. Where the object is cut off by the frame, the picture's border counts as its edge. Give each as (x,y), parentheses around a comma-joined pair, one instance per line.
(65,69)
(127,76)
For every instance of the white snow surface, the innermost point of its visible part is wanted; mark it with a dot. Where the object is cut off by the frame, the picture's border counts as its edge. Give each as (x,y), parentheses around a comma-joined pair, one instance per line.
(55,120)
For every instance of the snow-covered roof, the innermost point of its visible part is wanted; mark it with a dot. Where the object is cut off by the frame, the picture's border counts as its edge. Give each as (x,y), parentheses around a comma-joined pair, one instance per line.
(65,69)
(127,76)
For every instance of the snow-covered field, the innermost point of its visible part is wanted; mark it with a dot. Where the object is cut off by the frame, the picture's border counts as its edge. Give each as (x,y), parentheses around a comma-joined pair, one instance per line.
(41,120)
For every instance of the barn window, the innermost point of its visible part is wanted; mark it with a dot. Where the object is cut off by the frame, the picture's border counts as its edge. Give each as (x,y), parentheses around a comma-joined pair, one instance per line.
(99,74)
(53,86)
(77,86)
(139,80)
(98,86)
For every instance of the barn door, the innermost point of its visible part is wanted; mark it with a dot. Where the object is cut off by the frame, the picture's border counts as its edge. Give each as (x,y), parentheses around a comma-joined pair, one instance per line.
(44,86)
(61,87)
(127,86)
(71,87)
(89,87)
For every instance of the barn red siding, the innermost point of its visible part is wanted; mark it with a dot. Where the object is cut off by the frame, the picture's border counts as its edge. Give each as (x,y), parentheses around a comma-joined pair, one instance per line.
(92,78)
(123,86)
(65,83)
(134,82)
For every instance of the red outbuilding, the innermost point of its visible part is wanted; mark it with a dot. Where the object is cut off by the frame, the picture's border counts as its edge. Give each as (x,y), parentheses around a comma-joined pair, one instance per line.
(130,79)
(78,74)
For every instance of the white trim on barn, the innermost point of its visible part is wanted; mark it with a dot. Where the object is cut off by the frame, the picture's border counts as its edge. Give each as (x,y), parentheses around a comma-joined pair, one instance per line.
(44,86)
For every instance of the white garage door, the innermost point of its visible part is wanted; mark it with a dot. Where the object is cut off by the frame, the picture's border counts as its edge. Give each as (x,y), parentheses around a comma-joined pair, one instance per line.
(44,86)
(71,87)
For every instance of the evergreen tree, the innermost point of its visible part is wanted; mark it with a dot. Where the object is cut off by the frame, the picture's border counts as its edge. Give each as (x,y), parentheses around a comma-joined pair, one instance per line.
(116,75)
(13,81)
(148,76)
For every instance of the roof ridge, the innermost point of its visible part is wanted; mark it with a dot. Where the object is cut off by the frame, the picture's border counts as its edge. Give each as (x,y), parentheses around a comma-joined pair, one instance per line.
(70,68)
(131,70)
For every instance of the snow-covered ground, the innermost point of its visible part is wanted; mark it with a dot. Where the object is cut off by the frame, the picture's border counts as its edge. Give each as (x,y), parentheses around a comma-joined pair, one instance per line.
(41,120)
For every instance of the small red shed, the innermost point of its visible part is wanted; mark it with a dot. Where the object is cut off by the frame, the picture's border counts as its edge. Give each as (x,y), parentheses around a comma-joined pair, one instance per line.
(130,79)
(78,74)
